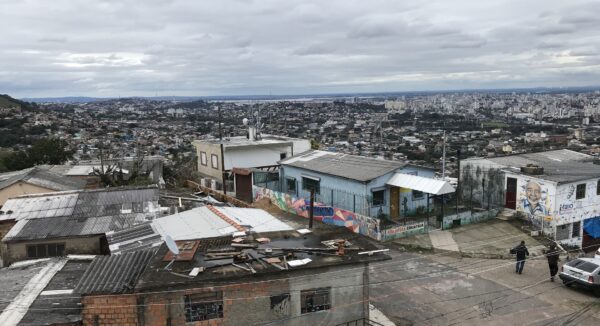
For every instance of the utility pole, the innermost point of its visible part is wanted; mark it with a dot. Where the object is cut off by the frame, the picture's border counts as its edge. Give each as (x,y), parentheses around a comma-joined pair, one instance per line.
(311,213)
(444,157)
(457,192)
(223,175)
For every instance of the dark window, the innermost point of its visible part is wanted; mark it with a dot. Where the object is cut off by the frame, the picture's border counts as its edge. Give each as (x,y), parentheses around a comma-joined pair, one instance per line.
(417,194)
(42,250)
(314,300)
(311,184)
(203,159)
(214,161)
(580,193)
(576,229)
(291,185)
(583,265)
(60,249)
(598,188)
(52,251)
(378,197)
(280,305)
(203,306)
(562,232)
(46,250)
(282,156)
(31,252)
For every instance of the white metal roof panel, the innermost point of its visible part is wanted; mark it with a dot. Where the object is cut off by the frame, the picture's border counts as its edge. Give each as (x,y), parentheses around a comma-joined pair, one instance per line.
(426,185)
(258,219)
(196,223)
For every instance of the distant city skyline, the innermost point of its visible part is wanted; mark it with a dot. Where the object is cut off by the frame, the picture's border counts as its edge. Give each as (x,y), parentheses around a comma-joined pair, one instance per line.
(244,47)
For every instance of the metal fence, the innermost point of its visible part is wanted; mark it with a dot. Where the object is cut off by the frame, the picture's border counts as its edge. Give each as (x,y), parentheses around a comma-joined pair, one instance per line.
(339,198)
(360,322)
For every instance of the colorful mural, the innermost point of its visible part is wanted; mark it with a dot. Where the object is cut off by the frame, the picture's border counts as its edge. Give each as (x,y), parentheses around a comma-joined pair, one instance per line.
(361,224)
(534,201)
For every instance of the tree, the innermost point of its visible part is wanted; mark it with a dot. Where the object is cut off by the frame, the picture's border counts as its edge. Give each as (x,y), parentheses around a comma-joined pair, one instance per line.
(45,151)
(314,144)
(49,151)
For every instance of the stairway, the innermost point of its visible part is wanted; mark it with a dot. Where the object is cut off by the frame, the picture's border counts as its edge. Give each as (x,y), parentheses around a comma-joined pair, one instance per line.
(506,214)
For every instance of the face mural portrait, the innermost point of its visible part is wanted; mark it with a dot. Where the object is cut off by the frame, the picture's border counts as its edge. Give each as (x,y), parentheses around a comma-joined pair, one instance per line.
(533,203)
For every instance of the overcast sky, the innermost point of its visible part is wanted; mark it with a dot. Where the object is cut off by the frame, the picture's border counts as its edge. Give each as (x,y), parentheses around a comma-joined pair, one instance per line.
(221,47)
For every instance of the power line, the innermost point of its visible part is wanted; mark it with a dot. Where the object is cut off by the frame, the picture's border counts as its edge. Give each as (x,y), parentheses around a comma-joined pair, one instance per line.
(343,271)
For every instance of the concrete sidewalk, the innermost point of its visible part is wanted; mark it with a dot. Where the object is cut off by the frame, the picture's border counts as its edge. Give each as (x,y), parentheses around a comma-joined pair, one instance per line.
(490,239)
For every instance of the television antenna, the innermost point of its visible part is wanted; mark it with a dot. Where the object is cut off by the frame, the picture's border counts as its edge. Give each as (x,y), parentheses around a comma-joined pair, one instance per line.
(173,249)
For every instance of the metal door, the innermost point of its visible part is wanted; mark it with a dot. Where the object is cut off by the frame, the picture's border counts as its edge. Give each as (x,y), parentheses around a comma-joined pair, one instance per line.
(511,193)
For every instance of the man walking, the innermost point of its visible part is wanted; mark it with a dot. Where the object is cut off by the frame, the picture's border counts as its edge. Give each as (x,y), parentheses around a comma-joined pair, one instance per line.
(553,256)
(521,252)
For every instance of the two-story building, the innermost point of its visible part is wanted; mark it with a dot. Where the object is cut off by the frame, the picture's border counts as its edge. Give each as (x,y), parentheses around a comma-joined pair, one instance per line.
(216,157)
(557,191)
(367,186)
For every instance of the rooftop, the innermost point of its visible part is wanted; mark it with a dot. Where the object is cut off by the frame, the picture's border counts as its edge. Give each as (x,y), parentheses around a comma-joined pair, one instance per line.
(79,213)
(256,255)
(197,223)
(561,166)
(241,141)
(348,166)
(114,274)
(40,292)
(42,178)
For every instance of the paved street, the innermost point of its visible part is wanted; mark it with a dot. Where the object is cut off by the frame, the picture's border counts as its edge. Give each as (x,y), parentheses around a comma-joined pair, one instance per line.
(443,289)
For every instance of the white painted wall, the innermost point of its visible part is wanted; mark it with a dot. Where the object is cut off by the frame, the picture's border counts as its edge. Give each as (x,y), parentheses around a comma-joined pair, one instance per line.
(569,209)
(255,156)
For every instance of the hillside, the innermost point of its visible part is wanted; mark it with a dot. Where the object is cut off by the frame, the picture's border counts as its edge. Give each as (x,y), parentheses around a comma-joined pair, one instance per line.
(6,102)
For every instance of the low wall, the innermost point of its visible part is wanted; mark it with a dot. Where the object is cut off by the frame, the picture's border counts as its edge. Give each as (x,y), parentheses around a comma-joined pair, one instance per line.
(361,224)
(217,194)
(468,217)
(401,231)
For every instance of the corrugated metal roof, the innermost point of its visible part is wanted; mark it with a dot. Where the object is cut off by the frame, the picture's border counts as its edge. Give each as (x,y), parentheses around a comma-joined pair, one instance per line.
(560,166)
(79,213)
(137,237)
(43,178)
(426,185)
(257,219)
(114,274)
(343,165)
(196,223)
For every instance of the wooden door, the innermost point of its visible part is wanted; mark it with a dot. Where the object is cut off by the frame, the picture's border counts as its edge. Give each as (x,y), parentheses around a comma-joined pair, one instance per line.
(511,193)
(394,202)
(243,187)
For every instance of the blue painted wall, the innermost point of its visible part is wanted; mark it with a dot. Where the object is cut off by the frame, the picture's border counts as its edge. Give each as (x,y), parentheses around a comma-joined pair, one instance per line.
(351,194)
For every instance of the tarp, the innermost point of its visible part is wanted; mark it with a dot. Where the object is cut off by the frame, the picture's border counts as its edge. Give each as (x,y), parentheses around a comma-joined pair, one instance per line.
(592,227)
(422,184)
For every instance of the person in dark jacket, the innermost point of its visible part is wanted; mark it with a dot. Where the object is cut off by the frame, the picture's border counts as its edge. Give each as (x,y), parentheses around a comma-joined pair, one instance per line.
(553,256)
(521,252)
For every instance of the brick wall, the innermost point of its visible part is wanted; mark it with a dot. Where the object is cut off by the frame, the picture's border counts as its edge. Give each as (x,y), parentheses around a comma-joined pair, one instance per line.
(247,303)
(110,310)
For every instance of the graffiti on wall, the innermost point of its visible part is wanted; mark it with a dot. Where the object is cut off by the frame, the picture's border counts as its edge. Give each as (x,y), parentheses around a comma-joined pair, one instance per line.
(534,201)
(402,231)
(329,215)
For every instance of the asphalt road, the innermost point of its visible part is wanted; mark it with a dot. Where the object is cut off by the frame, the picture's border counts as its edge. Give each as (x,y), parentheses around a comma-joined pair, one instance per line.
(441,289)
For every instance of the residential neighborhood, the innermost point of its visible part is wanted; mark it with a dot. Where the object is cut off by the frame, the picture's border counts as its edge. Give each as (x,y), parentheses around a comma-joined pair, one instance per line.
(250,223)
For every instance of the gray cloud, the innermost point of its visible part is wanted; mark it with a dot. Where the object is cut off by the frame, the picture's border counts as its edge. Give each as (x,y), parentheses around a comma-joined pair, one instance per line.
(127,47)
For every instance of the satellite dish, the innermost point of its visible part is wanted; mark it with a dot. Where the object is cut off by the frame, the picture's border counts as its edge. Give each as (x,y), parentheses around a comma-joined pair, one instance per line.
(245,121)
(172,245)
